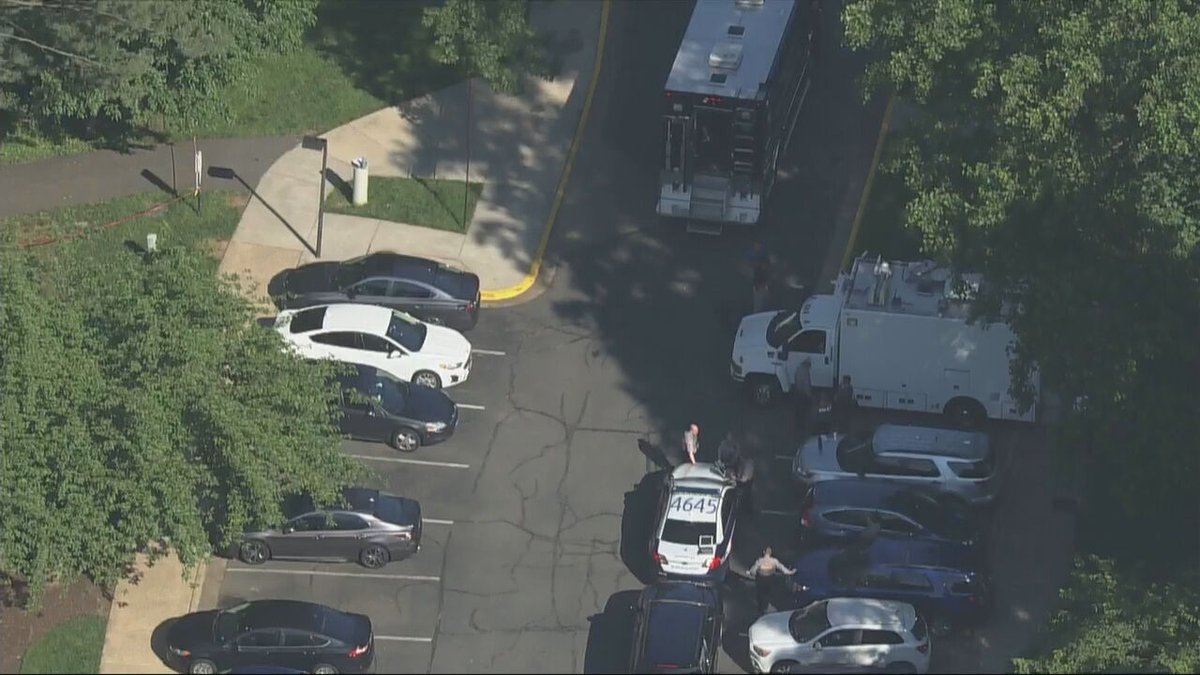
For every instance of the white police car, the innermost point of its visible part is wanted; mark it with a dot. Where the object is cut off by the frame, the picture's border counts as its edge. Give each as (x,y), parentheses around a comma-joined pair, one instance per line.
(693,535)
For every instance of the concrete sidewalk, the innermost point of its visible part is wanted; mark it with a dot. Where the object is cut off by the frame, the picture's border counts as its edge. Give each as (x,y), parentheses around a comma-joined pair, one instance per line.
(519,148)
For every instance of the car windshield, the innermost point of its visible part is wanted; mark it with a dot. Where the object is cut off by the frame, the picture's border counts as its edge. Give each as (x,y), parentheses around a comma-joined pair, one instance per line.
(809,622)
(406,330)
(687,532)
(854,452)
(391,393)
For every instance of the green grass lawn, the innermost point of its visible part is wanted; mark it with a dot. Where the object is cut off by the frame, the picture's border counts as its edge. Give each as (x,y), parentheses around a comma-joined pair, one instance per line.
(177,224)
(73,646)
(882,228)
(415,201)
(362,55)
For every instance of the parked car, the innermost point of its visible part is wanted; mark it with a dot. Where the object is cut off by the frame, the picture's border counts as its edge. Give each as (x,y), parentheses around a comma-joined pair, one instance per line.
(378,407)
(427,289)
(697,515)
(392,341)
(960,462)
(841,635)
(677,628)
(281,633)
(840,509)
(947,584)
(373,528)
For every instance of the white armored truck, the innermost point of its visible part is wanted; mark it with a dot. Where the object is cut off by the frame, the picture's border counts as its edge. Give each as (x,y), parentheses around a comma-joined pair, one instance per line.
(900,331)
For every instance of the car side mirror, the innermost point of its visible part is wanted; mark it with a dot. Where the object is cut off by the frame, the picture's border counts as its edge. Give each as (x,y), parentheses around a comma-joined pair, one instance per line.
(817,646)
(395,354)
(288,529)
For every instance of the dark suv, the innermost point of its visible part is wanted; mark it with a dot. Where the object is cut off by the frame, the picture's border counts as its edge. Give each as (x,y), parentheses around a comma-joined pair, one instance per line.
(837,509)
(677,628)
(423,288)
(373,528)
(945,582)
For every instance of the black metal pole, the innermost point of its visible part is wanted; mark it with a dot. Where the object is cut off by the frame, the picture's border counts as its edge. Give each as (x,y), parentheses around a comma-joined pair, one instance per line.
(174,182)
(321,203)
(467,186)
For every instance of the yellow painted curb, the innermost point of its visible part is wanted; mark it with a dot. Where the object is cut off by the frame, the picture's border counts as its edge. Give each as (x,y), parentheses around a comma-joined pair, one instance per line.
(866,193)
(527,283)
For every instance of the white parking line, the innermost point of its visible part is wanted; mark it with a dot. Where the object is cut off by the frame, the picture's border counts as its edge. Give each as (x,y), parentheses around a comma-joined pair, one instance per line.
(489,352)
(422,462)
(785,458)
(402,638)
(318,573)
(771,512)
(435,521)
(468,406)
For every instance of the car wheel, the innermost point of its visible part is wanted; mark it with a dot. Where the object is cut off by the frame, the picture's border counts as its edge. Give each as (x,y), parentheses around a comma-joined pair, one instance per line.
(784,667)
(254,552)
(406,440)
(902,667)
(325,669)
(202,667)
(763,390)
(427,378)
(373,557)
(965,413)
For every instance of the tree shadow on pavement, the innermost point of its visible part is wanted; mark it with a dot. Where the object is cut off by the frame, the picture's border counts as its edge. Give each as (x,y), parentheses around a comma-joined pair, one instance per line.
(637,525)
(610,635)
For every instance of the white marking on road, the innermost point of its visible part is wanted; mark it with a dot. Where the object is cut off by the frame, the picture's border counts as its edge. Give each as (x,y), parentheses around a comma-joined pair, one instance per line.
(772,512)
(422,462)
(435,521)
(489,352)
(402,638)
(318,573)
(469,406)
(785,458)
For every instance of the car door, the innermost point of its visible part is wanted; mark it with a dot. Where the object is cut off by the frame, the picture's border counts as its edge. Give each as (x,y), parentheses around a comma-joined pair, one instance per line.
(362,418)
(834,649)
(846,522)
(369,291)
(897,525)
(411,297)
(875,647)
(348,536)
(258,647)
(913,470)
(337,345)
(297,536)
(812,344)
(388,356)
(713,632)
(300,649)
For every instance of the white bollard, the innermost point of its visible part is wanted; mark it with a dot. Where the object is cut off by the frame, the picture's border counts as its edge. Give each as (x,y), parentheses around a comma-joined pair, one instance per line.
(151,243)
(360,181)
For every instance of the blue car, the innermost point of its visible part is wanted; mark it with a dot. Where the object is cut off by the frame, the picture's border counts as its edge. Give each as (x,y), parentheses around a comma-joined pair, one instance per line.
(841,509)
(945,582)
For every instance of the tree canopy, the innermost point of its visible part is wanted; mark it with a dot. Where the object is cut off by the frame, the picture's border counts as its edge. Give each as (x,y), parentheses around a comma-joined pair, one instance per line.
(140,402)
(491,39)
(110,63)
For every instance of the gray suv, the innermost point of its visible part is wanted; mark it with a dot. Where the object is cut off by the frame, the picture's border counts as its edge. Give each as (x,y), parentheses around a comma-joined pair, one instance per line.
(961,463)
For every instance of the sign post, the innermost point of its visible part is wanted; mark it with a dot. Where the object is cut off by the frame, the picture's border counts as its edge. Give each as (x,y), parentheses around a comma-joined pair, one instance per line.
(199,169)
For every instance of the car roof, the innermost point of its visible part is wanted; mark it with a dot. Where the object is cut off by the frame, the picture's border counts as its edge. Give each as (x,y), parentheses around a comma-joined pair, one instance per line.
(894,552)
(698,475)
(858,492)
(868,612)
(673,632)
(681,591)
(902,438)
(360,318)
(295,614)
(387,263)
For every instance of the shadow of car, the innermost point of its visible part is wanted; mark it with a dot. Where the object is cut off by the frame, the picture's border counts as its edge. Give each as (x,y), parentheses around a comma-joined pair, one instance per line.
(610,635)
(637,525)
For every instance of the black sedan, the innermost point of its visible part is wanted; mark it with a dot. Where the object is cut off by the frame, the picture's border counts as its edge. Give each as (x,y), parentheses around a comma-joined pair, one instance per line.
(378,407)
(424,288)
(281,633)
(677,628)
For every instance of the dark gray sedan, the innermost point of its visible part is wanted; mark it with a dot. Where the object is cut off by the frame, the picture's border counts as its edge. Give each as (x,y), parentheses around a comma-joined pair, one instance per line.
(374,528)
(423,288)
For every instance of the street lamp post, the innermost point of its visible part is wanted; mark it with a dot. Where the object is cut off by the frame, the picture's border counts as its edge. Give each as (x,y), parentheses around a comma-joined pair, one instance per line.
(313,143)
(467,186)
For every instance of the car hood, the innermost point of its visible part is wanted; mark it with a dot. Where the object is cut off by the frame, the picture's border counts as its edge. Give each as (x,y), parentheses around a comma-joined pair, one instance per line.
(771,629)
(312,278)
(447,343)
(192,631)
(752,332)
(428,405)
(819,453)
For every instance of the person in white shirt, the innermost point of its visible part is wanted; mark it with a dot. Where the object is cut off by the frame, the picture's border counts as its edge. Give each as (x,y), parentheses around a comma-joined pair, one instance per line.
(691,442)
(765,571)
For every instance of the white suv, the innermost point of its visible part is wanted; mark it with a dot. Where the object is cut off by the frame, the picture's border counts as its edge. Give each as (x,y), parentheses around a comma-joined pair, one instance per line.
(369,335)
(842,635)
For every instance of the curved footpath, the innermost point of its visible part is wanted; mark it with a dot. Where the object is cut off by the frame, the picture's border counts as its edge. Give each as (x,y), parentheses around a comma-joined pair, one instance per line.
(521,149)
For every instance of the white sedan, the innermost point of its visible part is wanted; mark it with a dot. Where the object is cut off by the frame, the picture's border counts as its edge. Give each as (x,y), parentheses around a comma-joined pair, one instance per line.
(392,341)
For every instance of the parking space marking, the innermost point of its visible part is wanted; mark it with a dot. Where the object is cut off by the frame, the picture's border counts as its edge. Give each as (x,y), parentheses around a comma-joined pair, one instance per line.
(402,638)
(435,521)
(319,573)
(785,458)
(422,462)
(468,406)
(489,352)
(772,512)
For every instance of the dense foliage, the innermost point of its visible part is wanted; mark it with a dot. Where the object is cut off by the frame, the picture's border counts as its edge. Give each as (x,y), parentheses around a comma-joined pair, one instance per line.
(97,65)
(140,402)
(491,39)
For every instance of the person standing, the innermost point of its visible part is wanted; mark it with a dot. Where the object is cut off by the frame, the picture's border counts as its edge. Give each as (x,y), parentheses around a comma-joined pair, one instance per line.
(766,571)
(820,420)
(728,453)
(802,392)
(760,292)
(691,442)
(843,405)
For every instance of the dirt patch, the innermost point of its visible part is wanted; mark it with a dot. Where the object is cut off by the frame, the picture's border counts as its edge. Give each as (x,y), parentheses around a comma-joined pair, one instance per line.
(214,247)
(237,200)
(20,628)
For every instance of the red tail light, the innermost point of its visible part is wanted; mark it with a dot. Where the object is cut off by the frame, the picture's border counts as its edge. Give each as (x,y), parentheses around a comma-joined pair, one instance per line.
(923,648)
(471,306)
(714,563)
(659,558)
(806,518)
(359,651)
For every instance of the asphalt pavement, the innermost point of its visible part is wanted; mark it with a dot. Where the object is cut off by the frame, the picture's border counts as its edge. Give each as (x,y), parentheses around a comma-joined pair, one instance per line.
(578,398)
